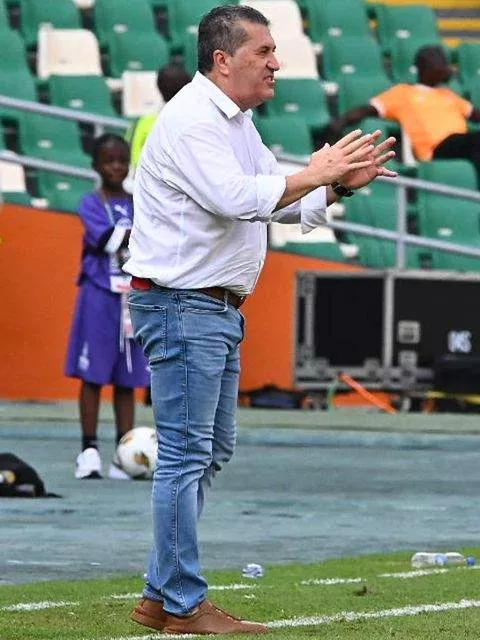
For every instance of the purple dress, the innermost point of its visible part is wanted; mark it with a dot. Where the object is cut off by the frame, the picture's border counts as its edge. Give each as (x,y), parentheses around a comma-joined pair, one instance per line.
(99,349)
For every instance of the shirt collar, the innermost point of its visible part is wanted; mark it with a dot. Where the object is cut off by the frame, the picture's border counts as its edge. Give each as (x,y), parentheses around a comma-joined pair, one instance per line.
(218,97)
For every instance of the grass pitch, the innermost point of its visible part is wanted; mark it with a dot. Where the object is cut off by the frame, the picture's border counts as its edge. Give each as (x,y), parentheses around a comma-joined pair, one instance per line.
(371,597)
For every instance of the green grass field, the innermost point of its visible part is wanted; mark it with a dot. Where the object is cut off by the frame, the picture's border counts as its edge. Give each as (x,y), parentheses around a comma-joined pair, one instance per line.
(371,597)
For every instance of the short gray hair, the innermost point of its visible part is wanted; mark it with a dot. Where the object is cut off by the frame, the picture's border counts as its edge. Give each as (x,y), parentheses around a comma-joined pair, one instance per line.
(219,29)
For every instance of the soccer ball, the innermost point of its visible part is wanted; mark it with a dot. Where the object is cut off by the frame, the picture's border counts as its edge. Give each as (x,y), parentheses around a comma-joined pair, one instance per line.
(136,453)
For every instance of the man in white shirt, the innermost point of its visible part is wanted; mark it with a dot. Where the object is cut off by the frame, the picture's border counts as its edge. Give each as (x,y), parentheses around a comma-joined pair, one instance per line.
(205,189)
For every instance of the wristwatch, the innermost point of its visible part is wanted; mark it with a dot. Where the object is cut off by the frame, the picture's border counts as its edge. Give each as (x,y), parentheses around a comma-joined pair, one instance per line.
(340,190)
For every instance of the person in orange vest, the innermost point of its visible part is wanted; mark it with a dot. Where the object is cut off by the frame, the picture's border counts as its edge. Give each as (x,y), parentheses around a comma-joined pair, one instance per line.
(433,116)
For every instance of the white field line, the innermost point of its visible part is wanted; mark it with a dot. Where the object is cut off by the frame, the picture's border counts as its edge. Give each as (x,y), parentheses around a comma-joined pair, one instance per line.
(212,587)
(405,575)
(343,616)
(352,616)
(37,606)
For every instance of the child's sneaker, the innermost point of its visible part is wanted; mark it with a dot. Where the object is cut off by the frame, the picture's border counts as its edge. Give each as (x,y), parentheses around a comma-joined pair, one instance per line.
(88,465)
(116,472)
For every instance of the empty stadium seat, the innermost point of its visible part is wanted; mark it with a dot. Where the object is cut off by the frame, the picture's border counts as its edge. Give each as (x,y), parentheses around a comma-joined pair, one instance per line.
(284,16)
(354,91)
(61,14)
(63,192)
(448,218)
(4,22)
(321,250)
(190,53)
(352,55)
(13,186)
(13,56)
(67,52)
(52,139)
(296,57)
(469,64)
(121,16)
(405,22)
(140,93)
(331,18)
(85,93)
(304,97)
(382,214)
(128,52)
(185,15)
(18,84)
(285,134)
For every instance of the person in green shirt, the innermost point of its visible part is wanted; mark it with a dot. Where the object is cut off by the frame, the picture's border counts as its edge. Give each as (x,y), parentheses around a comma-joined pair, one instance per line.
(170,80)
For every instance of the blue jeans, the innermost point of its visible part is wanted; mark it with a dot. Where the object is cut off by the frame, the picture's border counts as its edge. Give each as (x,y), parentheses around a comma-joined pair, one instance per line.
(192,344)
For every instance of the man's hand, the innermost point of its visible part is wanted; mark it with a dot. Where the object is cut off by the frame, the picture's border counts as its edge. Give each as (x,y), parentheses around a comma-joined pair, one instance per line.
(382,153)
(352,153)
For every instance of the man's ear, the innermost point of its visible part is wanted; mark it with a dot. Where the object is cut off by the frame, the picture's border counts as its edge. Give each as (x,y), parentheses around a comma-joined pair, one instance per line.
(221,62)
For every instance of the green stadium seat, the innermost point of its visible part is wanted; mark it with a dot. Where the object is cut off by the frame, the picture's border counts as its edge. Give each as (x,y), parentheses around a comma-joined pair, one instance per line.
(352,56)
(62,14)
(4,22)
(469,64)
(448,218)
(85,93)
(185,15)
(322,250)
(121,16)
(377,253)
(304,97)
(129,52)
(53,139)
(190,54)
(354,91)
(475,94)
(63,192)
(18,84)
(406,22)
(13,56)
(379,210)
(331,18)
(285,134)
(403,52)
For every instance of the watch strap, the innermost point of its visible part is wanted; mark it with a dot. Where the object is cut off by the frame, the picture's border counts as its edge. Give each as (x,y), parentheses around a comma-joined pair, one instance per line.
(340,190)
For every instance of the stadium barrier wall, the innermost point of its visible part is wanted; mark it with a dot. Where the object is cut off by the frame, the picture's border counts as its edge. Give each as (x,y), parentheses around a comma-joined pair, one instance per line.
(39,262)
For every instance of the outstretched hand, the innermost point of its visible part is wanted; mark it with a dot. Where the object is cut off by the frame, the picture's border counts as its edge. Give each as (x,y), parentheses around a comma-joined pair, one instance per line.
(351,153)
(381,153)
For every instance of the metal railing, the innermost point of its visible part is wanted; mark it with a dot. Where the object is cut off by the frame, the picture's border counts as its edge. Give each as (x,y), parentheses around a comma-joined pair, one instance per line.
(400,236)
(99,122)
(402,183)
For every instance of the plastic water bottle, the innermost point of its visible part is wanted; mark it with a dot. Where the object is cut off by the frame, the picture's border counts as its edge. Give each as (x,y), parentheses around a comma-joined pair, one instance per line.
(424,559)
(455,558)
(252,570)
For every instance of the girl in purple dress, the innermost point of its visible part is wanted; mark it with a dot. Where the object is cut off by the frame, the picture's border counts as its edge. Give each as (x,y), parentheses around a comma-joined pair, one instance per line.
(101,349)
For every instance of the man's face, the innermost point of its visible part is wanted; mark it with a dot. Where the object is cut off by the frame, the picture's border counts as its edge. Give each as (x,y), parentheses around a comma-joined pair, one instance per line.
(252,67)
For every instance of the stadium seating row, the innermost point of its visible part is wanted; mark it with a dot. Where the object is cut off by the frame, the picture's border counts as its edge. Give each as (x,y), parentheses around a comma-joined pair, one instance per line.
(123,41)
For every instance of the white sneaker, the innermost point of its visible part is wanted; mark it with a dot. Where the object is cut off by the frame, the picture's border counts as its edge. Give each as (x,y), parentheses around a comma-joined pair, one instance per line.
(115,473)
(88,465)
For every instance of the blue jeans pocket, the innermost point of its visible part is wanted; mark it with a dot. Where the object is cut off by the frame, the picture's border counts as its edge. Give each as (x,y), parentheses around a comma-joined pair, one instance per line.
(150,327)
(202,303)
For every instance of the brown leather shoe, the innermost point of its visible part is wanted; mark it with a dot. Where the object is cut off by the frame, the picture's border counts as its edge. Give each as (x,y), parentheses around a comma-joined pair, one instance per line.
(209,619)
(150,613)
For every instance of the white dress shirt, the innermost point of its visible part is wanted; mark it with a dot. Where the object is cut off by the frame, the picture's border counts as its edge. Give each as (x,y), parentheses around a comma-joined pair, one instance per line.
(204,190)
